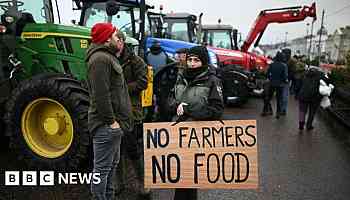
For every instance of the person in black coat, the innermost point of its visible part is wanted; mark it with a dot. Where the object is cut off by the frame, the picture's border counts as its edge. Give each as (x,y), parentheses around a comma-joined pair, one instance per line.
(198,96)
(309,96)
(267,109)
(277,74)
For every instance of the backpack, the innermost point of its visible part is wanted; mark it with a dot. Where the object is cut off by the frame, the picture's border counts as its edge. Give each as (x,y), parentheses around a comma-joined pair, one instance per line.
(310,86)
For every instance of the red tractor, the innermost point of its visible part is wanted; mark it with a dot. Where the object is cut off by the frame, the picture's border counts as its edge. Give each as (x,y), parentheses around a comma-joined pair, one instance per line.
(249,60)
(236,64)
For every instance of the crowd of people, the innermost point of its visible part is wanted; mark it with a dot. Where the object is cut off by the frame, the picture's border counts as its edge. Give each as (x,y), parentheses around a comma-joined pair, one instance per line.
(289,75)
(116,78)
(185,90)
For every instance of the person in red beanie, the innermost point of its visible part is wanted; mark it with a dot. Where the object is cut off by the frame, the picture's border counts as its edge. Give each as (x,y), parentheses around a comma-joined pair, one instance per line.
(110,111)
(101,32)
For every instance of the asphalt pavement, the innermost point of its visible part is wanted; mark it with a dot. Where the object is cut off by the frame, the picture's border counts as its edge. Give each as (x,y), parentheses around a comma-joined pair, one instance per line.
(311,165)
(293,165)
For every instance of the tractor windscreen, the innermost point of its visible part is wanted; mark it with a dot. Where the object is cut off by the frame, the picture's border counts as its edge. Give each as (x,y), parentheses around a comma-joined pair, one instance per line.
(178,30)
(1,11)
(127,19)
(36,9)
(220,39)
(14,8)
(155,25)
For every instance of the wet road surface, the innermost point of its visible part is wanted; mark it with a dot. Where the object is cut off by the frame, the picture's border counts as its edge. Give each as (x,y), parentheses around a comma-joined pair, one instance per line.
(311,165)
(292,165)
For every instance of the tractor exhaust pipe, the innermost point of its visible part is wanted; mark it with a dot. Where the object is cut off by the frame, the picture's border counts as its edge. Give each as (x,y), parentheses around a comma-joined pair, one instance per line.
(199,31)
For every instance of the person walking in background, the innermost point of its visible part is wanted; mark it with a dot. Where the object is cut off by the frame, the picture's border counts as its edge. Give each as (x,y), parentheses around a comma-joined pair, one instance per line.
(277,74)
(110,107)
(267,109)
(309,97)
(298,76)
(198,95)
(291,65)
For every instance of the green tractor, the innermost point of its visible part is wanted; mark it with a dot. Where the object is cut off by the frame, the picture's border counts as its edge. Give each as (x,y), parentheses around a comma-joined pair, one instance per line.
(43,101)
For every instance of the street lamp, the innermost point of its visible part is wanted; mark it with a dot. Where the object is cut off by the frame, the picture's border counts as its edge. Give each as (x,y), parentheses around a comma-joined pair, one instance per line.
(285,40)
(306,37)
(311,37)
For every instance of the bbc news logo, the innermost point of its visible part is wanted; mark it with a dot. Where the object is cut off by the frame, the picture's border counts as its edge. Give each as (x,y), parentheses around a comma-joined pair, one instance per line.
(49,178)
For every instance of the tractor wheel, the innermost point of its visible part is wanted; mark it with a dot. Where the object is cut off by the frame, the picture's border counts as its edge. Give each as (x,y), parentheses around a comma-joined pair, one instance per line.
(235,89)
(3,138)
(47,120)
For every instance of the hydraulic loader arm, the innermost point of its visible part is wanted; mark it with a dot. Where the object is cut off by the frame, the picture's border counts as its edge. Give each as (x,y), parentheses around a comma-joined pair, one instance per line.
(280,15)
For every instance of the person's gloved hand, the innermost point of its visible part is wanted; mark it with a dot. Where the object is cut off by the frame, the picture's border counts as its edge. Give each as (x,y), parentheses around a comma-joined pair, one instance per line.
(180,109)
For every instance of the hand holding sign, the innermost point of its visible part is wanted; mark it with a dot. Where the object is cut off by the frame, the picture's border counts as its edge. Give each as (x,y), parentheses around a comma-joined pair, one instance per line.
(180,109)
(201,154)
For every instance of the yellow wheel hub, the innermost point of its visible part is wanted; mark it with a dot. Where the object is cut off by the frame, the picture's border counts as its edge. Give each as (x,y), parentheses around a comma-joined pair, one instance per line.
(47,128)
(54,126)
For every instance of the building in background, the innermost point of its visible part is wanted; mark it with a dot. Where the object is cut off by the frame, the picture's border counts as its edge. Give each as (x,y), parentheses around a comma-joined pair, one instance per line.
(301,46)
(337,45)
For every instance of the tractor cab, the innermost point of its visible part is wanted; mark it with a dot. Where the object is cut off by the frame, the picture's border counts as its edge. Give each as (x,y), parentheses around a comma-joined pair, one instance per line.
(130,16)
(14,16)
(181,26)
(220,36)
(135,19)
(15,12)
(156,24)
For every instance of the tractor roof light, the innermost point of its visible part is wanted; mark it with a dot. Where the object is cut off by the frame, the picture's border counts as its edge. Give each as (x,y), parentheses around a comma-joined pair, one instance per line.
(2,29)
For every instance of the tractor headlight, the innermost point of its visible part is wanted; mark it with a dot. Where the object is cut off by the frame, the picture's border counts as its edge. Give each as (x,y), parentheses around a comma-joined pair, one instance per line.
(2,29)
(9,19)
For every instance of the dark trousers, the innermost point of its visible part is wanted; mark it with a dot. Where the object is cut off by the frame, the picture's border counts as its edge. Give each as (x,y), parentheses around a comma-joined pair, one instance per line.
(285,95)
(267,110)
(132,148)
(279,97)
(106,145)
(185,194)
(133,142)
(309,107)
(297,86)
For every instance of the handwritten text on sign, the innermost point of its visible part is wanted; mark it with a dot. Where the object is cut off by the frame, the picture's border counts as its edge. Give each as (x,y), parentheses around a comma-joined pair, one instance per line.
(201,154)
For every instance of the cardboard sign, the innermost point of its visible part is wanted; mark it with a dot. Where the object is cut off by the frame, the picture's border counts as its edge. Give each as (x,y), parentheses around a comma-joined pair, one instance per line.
(202,154)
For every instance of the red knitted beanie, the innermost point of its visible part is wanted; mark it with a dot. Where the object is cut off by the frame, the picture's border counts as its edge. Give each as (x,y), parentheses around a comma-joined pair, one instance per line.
(101,32)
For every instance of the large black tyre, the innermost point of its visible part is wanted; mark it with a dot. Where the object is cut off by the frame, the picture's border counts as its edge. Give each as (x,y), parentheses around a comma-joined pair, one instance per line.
(3,139)
(235,89)
(73,97)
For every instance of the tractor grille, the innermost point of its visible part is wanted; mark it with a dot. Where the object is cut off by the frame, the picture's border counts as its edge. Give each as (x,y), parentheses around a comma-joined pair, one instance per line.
(64,45)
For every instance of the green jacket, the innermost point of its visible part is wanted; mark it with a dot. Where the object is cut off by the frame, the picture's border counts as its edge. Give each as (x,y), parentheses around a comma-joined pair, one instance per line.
(203,96)
(292,67)
(109,97)
(135,73)
(299,70)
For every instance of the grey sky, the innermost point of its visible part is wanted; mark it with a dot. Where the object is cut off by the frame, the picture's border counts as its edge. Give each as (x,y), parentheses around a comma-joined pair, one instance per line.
(242,14)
